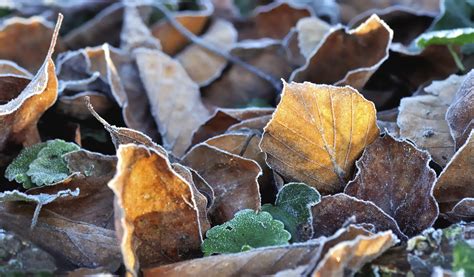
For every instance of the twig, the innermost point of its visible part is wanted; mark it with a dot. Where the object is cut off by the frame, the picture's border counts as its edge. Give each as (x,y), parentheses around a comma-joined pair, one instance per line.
(276,83)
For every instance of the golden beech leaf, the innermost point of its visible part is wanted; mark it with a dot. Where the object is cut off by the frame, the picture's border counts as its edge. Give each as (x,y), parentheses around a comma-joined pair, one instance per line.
(317,132)
(157,215)
(19,116)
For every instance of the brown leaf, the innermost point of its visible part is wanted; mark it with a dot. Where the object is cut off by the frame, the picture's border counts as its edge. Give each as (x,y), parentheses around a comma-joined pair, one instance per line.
(233,179)
(348,57)
(334,211)
(157,217)
(455,182)
(9,67)
(463,210)
(395,176)
(19,116)
(461,112)
(74,105)
(272,21)
(422,118)
(257,123)
(237,87)
(311,31)
(221,34)
(172,41)
(32,41)
(174,98)
(135,33)
(347,258)
(317,132)
(73,242)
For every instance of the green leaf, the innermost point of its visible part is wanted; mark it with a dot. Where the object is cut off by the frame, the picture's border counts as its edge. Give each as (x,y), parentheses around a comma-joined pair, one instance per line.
(293,208)
(20,165)
(248,229)
(460,36)
(463,258)
(41,164)
(454,14)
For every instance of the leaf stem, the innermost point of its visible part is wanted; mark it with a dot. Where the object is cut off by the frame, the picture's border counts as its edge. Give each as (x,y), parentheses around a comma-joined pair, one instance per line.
(456,58)
(276,83)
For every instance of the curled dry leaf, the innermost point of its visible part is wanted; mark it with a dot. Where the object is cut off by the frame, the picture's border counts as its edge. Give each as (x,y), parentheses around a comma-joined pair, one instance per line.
(237,87)
(31,41)
(257,123)
(9,67)
(421,118)
(348,57)
(310,32)
(272,21)
(460,115)
(233,179)
(455,182)
(335,210)
(347,258)
(19,115)
(135,33)
(174,97)
(157,217)
(172,41)
(395,176)
(221,34)
(317,132)
(74,105)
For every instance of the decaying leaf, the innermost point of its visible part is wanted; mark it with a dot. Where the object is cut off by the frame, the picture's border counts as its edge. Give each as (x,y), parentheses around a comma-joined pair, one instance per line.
(455,182)
(395,176)
(247,230)
(9,67)
(74,105)
(334,211)
(174,98)
(463,210)
(19,116)
(156,213)
(460,115)
(352,55)
(221,34)
(135,33)
(311,31)
(293,208)
(421,118)
(233,179)
(317,132)
(347,258)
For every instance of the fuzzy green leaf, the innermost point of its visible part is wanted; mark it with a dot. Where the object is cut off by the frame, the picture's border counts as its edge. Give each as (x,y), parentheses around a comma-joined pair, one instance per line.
(41,164)
(460,36)
(463,258)
(293,208)
(248,229)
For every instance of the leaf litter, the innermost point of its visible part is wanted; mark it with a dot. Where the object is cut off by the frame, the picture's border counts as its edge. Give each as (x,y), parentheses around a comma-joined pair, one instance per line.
(195,138)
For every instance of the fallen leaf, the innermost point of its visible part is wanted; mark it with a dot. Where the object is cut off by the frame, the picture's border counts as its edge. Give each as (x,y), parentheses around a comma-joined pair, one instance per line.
(461,112)
(310,32)
(330,127)
(233,179)
(74,105)
(221,34)
(172,41)
(455,182)
(9,67)
(257,123)
(335,210)
(156,214)
(348,257)
(462,211)
(19,116)
(395,176)
(421,118)
(135,33)
(351,55)
(174,97)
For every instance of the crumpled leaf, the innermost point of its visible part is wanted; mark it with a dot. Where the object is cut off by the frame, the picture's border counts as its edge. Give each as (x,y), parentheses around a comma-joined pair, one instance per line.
(157,218)
(348,257)
(421,118)
(317,132)
(455,182)
(334,211)
(247,230)
(41,164)
(395,176)
(19,116)
(273,21)
(173,96)
(460,113)
(32,41)
(293,208)
(221,34)
(233,179)
(70,242)
(348,57)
